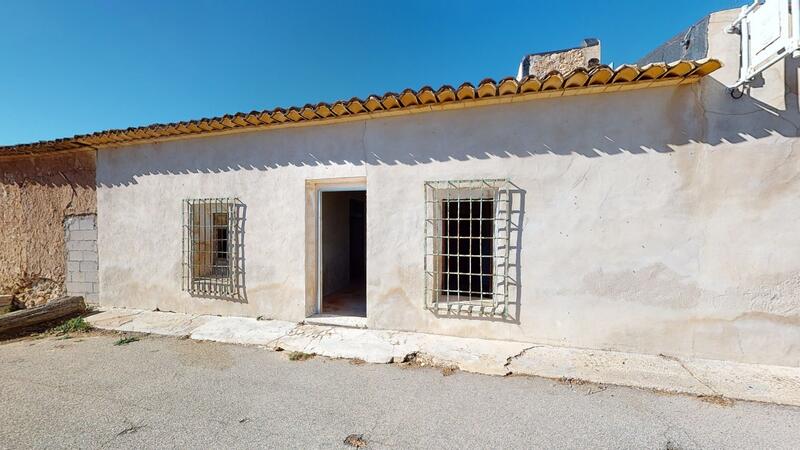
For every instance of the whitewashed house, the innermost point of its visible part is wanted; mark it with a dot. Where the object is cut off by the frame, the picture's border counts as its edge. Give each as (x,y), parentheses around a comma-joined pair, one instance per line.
(638,208)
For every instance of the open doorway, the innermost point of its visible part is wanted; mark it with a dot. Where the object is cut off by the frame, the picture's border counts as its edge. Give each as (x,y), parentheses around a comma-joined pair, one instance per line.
(343,253)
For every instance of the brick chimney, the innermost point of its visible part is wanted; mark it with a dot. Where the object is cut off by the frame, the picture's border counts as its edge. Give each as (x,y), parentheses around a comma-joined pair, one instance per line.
(564,61)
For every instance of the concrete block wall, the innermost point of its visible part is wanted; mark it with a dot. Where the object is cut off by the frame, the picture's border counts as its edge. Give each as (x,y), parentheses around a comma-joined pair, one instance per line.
(81,242)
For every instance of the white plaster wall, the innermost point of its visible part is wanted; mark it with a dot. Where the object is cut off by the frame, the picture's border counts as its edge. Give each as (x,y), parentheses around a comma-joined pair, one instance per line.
(657,221)
(141,189)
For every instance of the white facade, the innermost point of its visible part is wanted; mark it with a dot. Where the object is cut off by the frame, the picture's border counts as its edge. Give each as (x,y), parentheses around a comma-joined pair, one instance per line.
(660,220)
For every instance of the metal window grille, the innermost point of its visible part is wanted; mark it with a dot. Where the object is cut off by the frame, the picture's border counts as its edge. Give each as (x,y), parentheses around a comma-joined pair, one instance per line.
(467,242)
(212,247)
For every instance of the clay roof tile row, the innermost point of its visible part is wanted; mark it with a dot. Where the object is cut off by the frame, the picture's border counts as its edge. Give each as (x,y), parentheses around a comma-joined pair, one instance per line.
(580,80)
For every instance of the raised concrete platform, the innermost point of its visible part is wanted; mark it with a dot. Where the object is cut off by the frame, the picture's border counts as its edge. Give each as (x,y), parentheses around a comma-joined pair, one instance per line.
(774,384)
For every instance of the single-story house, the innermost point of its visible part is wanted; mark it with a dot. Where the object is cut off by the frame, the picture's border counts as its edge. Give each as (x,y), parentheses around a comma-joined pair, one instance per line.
(638,208)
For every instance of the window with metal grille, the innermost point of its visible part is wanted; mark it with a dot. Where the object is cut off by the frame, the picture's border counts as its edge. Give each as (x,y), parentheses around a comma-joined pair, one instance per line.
(467,246)
(212,247)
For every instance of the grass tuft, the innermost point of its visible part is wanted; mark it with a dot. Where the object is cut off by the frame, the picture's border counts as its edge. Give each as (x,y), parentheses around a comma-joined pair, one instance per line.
(300,356)
(126,340)
(74,325)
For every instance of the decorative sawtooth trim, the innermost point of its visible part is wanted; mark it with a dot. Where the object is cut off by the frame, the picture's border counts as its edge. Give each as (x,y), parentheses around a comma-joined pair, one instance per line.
(355,106)
(426,95)
(465,92)
(530,84)
(507,86)
(652,71)
(679,69)
(576,78)
(446,94)
(600,75)
(373,103)
(486,88)
(390,101)
(581,80)
(554,80)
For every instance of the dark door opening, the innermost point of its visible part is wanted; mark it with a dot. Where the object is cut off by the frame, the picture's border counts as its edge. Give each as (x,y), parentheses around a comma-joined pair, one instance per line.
(343,236)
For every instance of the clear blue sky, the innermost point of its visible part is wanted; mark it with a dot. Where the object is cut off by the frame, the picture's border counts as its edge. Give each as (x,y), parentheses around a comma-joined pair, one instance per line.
(71,67)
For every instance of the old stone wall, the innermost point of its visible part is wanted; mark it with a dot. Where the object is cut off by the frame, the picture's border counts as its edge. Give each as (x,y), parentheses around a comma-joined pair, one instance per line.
(36,195)
(564,61)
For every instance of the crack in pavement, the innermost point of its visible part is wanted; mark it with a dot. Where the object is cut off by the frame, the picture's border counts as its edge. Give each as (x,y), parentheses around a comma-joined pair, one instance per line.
(511,359)
(691,374)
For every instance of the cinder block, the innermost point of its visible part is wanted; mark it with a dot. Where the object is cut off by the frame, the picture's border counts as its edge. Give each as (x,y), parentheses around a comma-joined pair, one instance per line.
(92,298)
(96,287)
(87,223)
(75,256)
(83,235)
(88,266)
(71,222)
(78,287)
(90,246)
(73,266)
(90,276)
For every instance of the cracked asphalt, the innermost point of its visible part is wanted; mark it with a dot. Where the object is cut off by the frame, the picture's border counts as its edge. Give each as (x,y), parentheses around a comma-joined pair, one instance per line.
(162,392)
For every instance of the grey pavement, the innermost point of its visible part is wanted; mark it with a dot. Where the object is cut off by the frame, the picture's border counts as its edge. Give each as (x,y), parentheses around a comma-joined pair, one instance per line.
(167,392)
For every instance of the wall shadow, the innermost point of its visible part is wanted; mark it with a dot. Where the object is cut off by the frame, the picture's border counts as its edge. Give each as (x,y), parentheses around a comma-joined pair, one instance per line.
(641,122)
(514,281)
(238,248)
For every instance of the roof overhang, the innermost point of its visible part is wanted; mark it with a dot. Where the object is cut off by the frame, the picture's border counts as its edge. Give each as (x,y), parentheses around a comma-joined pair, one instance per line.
(488,92)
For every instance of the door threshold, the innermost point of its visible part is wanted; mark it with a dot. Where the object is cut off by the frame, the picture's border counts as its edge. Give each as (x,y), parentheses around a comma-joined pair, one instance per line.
(337,321)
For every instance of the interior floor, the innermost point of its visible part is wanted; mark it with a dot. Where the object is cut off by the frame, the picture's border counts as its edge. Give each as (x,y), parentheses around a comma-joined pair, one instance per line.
(349,301)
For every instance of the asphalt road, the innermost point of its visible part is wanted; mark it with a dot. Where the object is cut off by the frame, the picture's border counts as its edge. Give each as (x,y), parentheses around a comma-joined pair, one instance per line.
(160,392)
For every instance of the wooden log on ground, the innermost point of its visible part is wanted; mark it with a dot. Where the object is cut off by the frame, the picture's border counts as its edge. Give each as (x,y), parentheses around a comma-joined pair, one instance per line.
(55,309)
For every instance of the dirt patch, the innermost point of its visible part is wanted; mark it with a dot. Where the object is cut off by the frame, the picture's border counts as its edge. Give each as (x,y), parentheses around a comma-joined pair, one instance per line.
(716,400)
(355,440)
(418,360)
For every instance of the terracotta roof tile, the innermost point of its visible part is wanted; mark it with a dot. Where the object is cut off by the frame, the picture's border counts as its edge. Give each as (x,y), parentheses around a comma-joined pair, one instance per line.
(581,80)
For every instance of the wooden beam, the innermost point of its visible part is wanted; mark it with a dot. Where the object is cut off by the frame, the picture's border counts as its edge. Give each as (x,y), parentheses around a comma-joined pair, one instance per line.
(54,309)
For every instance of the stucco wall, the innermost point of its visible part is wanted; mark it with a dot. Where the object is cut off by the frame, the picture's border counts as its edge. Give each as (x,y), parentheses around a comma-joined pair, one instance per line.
(36,194)
(656,221)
